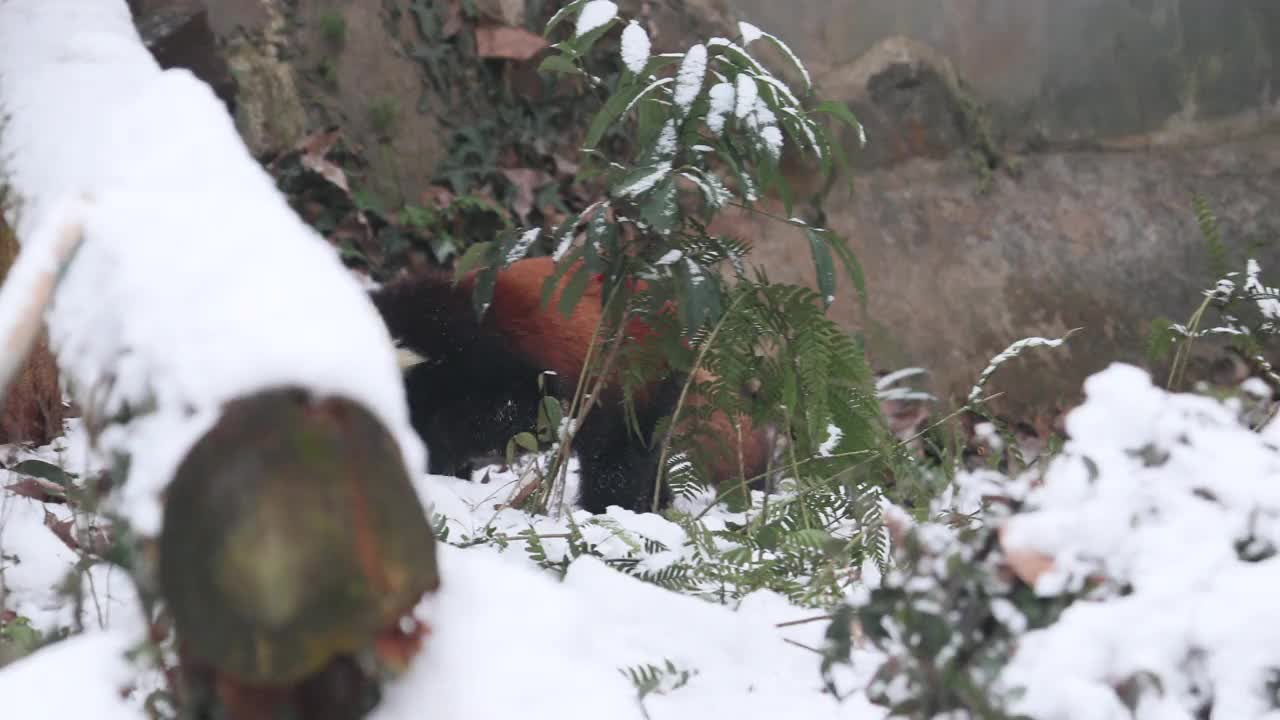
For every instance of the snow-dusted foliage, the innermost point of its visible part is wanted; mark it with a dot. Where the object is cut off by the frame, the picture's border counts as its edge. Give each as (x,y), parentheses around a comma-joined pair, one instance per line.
(605,592)
(689,80)
(747,113)
(594,14)
(1165,511)
(1133,577)
(173,305)
(635,47)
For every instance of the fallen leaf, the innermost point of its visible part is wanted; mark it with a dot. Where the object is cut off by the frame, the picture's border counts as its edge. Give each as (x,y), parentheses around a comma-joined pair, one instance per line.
(62,528)
(437,197)
(526,181)
(38,489)
(564,166)
(313,149)
(508,43)
(1027,564)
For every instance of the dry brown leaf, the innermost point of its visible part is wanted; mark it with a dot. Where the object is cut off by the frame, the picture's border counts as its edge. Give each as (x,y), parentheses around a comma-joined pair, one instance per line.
(38,489)
(436,197)
(526,182)
(1027,564)
(564,166)
(508,43)
(62,528)
(314,147)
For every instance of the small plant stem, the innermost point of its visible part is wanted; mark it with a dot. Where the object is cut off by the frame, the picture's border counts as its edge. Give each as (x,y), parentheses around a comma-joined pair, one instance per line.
(577,411)
(1180,359)
(804,621)
(684,394)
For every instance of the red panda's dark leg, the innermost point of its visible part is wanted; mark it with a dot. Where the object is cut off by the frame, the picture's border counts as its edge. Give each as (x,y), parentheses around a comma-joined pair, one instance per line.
(467,408)
(617,467)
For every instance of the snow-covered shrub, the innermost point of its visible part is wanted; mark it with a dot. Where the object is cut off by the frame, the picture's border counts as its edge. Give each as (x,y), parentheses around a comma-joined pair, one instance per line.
(710,126)
(1247,311)
(1132,577)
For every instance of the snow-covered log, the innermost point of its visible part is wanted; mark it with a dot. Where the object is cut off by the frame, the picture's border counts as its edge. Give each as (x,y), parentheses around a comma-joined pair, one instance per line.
(195,289)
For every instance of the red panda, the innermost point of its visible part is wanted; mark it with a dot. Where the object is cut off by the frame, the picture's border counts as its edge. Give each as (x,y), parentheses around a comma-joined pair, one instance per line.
(477,385)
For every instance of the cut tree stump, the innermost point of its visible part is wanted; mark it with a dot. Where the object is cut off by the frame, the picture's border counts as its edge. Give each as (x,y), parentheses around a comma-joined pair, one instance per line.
(233,375)
(294,545)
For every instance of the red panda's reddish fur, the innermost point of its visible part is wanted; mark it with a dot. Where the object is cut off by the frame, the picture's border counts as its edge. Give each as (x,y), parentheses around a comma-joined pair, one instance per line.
(518,338)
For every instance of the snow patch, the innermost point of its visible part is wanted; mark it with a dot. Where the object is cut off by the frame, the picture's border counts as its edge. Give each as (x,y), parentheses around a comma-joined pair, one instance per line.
(172,302)
(722,96)
(635,47)
(593,15)
(689,78)
(746,96)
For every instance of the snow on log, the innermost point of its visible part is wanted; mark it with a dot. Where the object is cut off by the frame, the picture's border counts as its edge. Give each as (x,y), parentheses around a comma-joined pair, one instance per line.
(31,407)
(209,335)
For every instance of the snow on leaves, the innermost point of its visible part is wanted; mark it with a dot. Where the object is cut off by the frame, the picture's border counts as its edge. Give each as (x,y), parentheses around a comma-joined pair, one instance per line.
(635,47)
(689,80)
(594,14)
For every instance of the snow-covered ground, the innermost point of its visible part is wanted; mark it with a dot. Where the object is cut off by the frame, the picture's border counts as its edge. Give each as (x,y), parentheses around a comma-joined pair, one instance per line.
(1166,502)
(509,639)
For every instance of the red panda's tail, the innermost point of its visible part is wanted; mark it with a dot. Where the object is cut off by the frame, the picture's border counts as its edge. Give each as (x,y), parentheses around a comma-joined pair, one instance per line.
(427,313)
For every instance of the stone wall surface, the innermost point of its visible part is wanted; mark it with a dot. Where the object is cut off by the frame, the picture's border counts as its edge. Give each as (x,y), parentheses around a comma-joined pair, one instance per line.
(1064,69)
(1030,166)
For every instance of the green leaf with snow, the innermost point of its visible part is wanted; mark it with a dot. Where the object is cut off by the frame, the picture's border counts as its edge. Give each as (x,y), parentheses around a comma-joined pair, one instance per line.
(613,109)
(824,267)
(561,15)
(642,179)
(552,281)
(659,208)
(852,267)
(651,117)
(841,112)
(574,290)
(581,45)
(559,64)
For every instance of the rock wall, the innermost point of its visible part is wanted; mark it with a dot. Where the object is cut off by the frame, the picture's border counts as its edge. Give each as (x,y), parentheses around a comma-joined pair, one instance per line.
(1030,168)
(1057,70)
